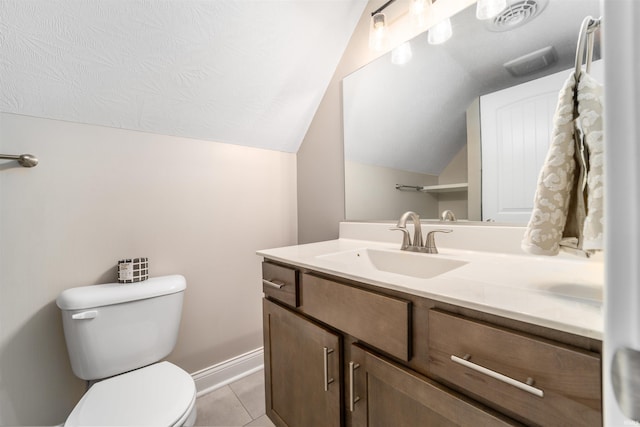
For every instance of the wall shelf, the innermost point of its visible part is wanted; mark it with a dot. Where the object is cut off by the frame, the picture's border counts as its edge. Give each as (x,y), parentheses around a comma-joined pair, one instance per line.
(445,188)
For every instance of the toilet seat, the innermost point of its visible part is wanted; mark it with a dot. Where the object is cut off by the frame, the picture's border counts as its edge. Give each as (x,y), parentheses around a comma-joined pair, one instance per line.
(157,395)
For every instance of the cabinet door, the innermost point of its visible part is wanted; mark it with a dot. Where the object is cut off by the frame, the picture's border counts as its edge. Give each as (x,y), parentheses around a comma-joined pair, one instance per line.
(382,393)
(302,370)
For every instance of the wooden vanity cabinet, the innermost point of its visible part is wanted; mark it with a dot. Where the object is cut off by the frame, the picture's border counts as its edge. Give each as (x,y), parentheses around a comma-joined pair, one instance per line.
(530,378)
(354,355)
(382,393)
(281,283)
(302,370)
(382,321)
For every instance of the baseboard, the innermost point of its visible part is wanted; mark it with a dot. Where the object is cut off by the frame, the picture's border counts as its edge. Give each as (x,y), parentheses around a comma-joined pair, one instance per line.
(226,372)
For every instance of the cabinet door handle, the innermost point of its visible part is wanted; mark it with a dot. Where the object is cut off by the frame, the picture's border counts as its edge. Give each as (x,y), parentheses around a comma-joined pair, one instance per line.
(274,283)
(352,397)
(327,351)
(498,376)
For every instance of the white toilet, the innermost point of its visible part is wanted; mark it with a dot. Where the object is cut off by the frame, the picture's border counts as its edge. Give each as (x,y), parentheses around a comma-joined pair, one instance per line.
(117,333)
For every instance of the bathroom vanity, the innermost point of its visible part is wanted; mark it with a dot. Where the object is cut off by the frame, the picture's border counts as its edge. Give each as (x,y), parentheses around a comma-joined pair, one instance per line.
(357,333)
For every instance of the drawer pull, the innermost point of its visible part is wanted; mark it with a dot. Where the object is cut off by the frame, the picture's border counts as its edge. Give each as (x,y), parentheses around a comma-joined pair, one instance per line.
(498,376)
(274,283)
(353,399)
(327,380)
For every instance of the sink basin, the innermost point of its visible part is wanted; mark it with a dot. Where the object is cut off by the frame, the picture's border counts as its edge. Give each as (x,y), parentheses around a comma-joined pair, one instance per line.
(422,266)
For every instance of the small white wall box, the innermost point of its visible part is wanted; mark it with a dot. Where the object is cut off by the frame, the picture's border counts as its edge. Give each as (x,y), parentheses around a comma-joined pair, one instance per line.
(133,270)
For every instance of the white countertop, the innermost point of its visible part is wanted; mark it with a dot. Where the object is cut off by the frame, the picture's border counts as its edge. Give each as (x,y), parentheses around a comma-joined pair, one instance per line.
(562,293)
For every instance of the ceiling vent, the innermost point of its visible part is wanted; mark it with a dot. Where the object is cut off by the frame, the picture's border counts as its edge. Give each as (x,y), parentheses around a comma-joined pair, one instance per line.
(518,13)
(532,62)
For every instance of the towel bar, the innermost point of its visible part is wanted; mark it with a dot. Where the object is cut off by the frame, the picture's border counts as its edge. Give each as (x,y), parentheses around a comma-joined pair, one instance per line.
(25,160)
(408,187)
(586,36)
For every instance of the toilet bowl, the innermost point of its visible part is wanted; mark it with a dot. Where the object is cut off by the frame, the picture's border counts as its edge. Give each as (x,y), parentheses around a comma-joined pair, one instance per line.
(116,337)
(157,395)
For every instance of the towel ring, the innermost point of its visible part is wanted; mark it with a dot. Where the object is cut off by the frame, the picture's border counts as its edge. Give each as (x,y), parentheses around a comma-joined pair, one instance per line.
(586,36)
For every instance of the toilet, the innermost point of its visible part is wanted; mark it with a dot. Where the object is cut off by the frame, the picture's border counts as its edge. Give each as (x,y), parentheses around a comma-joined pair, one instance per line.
(117,335)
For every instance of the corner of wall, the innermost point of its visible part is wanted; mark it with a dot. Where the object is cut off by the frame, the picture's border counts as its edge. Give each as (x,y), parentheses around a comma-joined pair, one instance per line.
(320,158)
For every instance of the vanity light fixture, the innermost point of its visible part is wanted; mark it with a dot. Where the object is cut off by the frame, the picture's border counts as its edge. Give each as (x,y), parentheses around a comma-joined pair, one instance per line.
(377,32)
(487,9)
(378,28)
(418,12)
(441,32)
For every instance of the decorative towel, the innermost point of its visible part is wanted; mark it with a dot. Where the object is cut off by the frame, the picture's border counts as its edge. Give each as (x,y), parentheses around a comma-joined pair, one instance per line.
(556,179)
(590,103)
(568,204)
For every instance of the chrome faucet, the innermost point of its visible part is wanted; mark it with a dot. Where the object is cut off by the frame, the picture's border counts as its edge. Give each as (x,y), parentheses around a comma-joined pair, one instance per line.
(448,215)
(416,245)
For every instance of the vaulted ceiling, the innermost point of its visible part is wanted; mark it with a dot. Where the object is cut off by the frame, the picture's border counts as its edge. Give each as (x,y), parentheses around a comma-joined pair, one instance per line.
(247,72)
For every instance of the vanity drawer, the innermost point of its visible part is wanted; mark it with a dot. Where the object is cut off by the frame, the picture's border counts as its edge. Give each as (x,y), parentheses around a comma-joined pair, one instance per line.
(384,393)
(280,283)
(530,379)
(381,321)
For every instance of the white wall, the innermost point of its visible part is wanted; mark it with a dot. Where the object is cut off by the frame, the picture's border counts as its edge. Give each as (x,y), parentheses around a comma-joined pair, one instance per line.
(196,208)
(370,193)
(321,155)
(454,173)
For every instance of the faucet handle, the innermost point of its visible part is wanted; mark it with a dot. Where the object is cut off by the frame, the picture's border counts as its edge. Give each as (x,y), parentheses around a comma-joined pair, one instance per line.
(448,215)
(406,237)
(430,241)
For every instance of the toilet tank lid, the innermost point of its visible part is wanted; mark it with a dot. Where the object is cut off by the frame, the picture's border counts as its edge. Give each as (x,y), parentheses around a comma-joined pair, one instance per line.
(115,293)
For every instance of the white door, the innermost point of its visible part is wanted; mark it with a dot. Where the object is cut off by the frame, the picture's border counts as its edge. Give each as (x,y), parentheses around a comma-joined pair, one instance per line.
(621,362)
(516,126)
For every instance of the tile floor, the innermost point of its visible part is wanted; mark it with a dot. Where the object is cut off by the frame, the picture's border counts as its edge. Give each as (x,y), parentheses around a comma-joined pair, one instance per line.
(239,404)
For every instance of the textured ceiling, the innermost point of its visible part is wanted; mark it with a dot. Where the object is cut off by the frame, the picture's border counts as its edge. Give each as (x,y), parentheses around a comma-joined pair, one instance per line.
(248,72)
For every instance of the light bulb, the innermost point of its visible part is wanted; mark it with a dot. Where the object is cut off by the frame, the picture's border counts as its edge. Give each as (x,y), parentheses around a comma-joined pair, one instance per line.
(377,32)
(487,9)
(440,33)
(418,11)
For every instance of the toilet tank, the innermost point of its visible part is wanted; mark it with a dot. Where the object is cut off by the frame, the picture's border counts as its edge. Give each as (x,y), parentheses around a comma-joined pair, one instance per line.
(114,328)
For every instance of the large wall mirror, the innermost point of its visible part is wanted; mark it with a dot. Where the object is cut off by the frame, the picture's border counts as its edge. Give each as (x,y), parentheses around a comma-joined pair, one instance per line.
(406,124)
